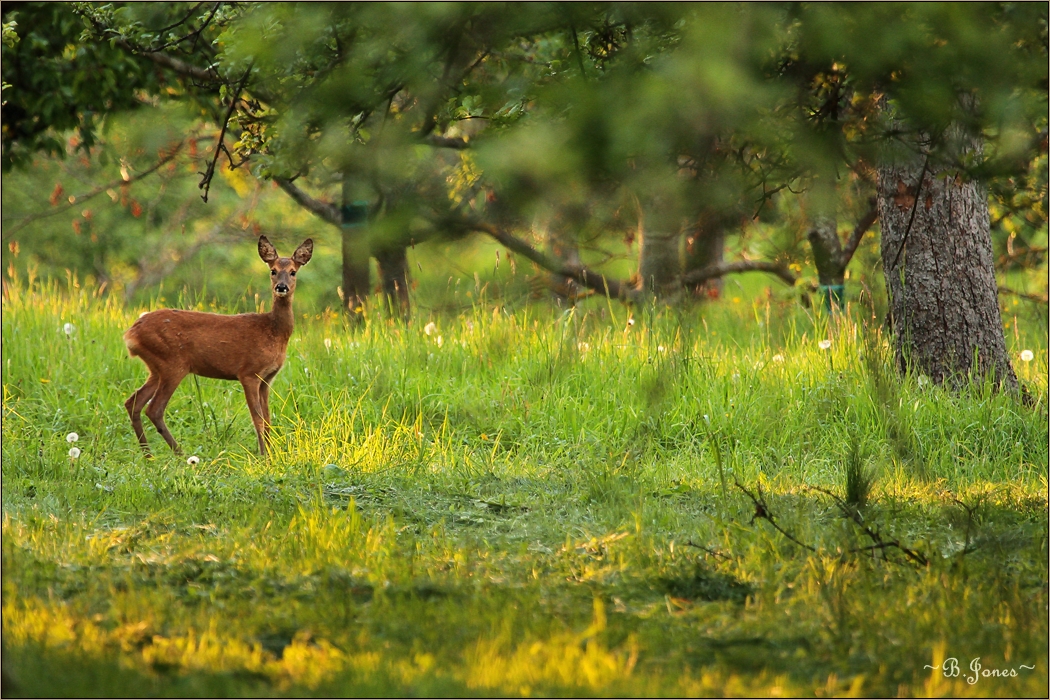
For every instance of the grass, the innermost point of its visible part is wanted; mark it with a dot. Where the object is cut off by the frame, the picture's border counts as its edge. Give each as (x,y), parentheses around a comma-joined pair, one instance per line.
(526,502)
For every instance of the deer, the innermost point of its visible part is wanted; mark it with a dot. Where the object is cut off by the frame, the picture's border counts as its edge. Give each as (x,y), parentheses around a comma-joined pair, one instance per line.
(249,348)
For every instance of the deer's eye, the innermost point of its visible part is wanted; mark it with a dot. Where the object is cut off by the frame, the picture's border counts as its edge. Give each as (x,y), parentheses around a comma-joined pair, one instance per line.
(273,273)
(292,273)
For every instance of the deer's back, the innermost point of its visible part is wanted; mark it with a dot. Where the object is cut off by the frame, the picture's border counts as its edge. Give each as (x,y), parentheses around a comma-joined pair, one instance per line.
(210,345)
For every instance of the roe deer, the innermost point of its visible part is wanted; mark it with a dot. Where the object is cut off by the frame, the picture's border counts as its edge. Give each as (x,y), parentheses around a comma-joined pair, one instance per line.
(246,347)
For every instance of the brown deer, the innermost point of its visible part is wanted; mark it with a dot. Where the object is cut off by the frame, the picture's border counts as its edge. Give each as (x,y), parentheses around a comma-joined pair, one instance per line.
(247,347)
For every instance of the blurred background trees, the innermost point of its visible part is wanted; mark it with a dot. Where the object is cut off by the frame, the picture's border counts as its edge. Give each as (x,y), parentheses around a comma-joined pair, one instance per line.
(641,150)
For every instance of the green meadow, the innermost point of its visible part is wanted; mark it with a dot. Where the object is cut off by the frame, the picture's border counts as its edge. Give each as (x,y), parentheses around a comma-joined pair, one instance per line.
(524,501)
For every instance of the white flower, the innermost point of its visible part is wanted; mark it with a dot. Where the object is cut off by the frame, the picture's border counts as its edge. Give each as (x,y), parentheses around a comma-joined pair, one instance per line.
(778,358)
(72,437)
(1027,355)
(630,322)
(74,452)
(430,328)
(69,328)
(327,343)
(193,460)
(824,344)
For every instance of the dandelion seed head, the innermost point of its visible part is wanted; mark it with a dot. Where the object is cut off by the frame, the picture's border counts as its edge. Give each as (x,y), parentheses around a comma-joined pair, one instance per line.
(1027,355)
(193,460)
(72,437)
(824,344)
(630,322)
(430,328)
(74,452)
(661,348)
(68,328)
(328,343)
(923,381)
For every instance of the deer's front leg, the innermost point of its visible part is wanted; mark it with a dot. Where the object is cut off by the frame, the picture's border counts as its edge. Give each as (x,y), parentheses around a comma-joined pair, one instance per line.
(252,396)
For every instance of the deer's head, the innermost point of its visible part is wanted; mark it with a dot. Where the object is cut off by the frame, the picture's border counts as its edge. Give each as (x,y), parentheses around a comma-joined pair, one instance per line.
(282,270)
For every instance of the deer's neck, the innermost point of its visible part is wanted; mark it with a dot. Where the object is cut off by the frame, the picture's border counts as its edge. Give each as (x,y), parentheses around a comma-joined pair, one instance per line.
(281,316)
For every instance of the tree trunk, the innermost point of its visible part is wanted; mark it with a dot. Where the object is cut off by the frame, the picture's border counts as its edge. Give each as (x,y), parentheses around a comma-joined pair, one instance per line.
(393,275)
(828,258)
(563,247)
(356,273)
(937,258)
(659,263)
(704,247)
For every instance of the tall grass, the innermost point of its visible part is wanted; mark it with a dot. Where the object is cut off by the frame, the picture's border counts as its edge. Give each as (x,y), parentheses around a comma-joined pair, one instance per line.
(529,502)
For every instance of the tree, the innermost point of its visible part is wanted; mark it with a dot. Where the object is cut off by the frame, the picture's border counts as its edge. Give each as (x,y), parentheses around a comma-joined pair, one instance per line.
(957,93)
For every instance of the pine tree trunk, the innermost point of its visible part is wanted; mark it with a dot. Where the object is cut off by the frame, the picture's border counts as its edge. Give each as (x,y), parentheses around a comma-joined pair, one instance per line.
(562,246)
(660,262)
(828,258)
(937,258)
(356,273)
(393,275)
(705,246)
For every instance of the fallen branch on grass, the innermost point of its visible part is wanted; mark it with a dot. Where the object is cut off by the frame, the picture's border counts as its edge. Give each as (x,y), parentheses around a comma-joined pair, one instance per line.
(879,543)
(763,512)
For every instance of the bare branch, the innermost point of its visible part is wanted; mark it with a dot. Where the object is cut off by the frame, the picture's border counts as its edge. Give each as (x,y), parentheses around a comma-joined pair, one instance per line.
(879,543)
(587,277)
(862,227)
(722,269)
(763,512)
(1039,299)
(328,212)
(168,61)
(220,146)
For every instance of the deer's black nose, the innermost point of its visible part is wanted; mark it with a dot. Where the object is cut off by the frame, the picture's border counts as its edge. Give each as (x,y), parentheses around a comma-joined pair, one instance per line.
(281,288)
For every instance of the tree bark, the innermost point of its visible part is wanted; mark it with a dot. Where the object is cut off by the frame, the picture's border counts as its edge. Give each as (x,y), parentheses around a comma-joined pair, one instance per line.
(937,258)
(828,258)
(357,281)
(659,262)
(393,275)
(705,247)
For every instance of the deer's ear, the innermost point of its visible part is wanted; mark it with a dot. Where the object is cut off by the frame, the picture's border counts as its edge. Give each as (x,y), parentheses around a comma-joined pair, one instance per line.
(304,252)
(266,250)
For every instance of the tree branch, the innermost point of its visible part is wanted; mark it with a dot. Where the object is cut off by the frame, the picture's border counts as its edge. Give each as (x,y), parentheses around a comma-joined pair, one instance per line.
(862,227)
(446,142)
(328,212)
(586,277)
(1039,299)
(722,269)
(205,183)
(79,200)
(170,62)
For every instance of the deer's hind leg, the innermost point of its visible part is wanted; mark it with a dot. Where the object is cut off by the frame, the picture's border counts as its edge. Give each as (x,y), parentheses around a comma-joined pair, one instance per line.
(155,412)
(136,402)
